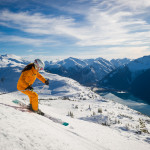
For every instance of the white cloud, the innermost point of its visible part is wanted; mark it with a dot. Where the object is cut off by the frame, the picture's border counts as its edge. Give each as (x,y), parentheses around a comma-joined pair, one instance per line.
(135,4)
(23,40)
(101,27)
(30,50)
(117,52)
(130,52)
(35,23)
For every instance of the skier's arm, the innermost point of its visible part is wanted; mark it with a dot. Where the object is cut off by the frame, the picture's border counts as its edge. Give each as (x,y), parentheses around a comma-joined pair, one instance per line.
(40,77)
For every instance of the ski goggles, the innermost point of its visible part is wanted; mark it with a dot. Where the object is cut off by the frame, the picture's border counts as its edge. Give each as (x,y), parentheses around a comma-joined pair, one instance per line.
(38,66)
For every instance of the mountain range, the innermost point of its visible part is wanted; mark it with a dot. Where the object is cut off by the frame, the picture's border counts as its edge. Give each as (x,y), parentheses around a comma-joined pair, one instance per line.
(133,77)
(86,71)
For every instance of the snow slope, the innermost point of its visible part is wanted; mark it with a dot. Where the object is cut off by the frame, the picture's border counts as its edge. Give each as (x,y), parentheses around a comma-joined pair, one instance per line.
(64,87)
(23,130)
(95,123)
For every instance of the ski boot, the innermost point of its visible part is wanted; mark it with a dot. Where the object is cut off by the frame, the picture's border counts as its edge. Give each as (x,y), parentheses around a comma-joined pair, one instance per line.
(30,107)
(39,112)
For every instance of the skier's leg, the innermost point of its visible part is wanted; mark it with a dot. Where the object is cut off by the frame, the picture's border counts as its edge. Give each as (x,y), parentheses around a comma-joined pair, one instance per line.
(33,96)
(27,93)
(34,100)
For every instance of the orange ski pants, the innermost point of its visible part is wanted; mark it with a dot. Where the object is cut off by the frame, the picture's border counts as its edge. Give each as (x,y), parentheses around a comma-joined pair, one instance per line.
(33,97)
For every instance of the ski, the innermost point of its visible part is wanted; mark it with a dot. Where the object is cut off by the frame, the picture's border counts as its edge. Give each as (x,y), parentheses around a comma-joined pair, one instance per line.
(56,120)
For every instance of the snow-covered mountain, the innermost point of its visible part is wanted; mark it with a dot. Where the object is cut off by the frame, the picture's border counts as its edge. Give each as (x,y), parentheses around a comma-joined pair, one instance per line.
(10,71)
(129,77)
(10,68)
(93,120)
(120,62)
(85,71)
(11,61)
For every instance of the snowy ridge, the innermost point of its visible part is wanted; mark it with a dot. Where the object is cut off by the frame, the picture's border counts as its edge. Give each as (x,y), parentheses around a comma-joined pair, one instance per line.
(86,71)
(128,72)
(11,61)
(64,87)
(120,62)
(142,63)
(72,62)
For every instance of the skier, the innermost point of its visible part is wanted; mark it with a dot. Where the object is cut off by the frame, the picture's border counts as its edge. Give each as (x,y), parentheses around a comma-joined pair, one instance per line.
(27,78)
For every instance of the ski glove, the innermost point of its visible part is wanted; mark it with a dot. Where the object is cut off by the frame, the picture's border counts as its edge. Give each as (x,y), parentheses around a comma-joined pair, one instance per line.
(30,88)
(47,82)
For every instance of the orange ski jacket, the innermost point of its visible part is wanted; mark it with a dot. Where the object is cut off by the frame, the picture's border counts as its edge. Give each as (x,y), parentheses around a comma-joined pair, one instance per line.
(28,76)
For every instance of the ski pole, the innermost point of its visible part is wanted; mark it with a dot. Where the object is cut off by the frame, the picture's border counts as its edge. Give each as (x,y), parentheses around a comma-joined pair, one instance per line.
(42,88)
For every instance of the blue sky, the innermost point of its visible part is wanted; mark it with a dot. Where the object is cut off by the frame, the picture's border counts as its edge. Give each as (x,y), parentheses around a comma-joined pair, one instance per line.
(77,28)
